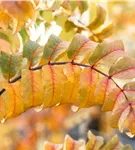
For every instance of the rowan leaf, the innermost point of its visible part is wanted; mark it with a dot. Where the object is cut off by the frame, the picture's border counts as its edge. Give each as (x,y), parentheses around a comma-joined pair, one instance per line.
(108,52)
(124,68)
(10,64)
(95,142)
(54,48)
(114,97)
(114,143)
(13,99)
(33,52)
(103,87)
(71,144)
(97,16)
(80,48)
(32,92)
(119,115)
(88,80)
(129,89)
(71,86)
(53,80)
(105,32)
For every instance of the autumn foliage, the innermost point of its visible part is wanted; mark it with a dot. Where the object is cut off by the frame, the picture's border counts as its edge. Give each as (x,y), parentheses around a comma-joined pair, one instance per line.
(85,71)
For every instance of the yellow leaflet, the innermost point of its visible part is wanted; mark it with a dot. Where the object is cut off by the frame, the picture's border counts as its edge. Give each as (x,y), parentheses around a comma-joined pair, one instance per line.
(71,87)
(95,142)
(32,88)
(71,144)
(13,99)
(88,81)
(114,98)
(104,86)
(117,113)
(53,80)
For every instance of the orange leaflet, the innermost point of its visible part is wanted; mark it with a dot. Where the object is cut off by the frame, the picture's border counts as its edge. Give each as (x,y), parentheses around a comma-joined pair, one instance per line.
(71,86)
(88,81)
(53,80)
(33,89)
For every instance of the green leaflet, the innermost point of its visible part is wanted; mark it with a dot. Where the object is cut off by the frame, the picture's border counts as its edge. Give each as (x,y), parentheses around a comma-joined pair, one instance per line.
(80,48)
(54,48)
(24,35)
(97,16)
(105,49)
(10,64)
(114,143)
(124,68)
(75,44)
(33,52)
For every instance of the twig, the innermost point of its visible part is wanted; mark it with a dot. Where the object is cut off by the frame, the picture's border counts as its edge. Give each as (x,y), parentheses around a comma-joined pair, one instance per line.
(63,63)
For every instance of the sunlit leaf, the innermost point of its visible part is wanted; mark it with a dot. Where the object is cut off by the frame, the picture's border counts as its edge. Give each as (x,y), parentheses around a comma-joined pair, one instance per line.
(95,142)
(54,48)
(97,16)
(13,99)
(124,68)
(71,144)
(33,52)
(114,97)
(32,92)
(88,80)
(80,48)
(10,64)
(129,89)
(106,32)
(114,143)
(103,87)
(119,115)
(108,52)
(71,86)
(53,79)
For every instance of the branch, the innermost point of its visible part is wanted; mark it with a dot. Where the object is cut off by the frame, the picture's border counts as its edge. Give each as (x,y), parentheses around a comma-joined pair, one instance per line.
(63,63)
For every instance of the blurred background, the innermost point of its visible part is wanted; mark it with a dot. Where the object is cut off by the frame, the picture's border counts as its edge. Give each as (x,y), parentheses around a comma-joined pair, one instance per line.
(29,130)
